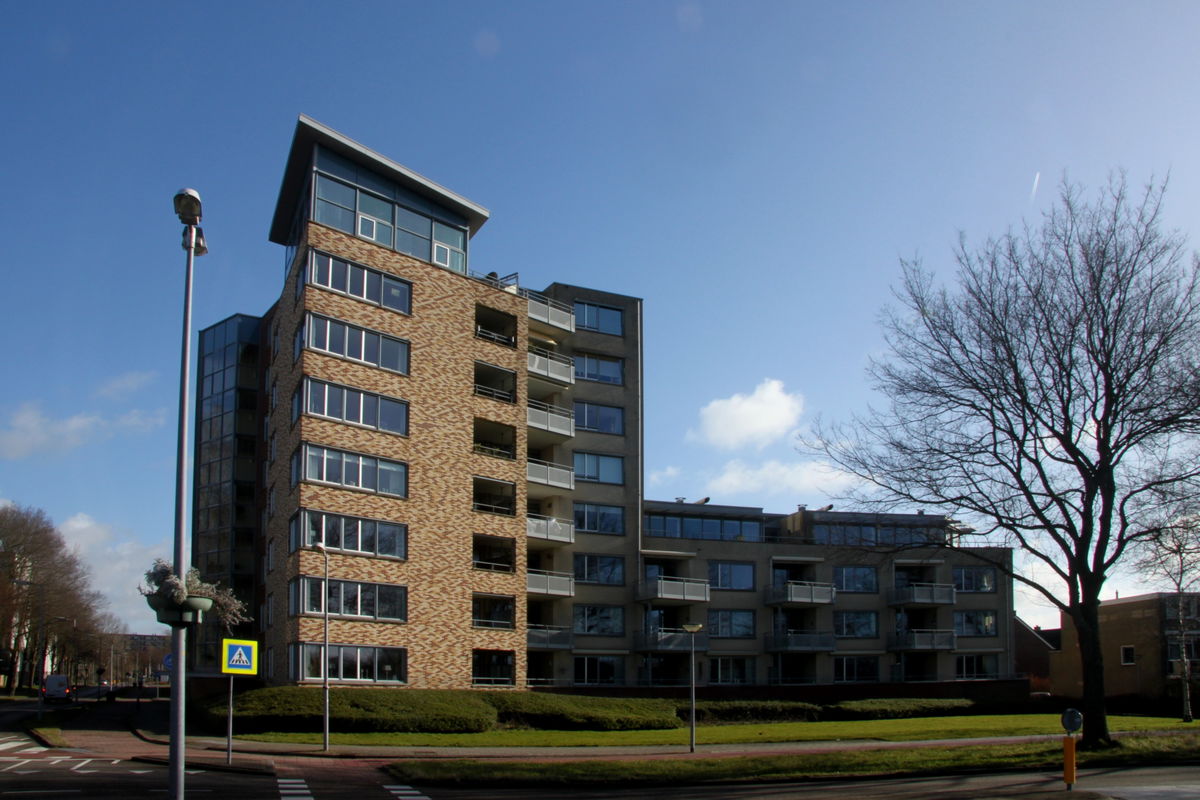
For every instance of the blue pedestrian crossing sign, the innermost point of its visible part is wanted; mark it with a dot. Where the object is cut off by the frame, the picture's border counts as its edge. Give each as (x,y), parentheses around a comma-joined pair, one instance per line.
(239,656)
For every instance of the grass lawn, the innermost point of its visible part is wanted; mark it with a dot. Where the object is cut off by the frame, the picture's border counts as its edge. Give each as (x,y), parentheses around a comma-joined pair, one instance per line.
(888,730)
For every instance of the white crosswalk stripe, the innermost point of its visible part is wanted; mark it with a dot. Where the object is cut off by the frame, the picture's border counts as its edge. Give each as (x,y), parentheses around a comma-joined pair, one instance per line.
(406,792)
(293,788)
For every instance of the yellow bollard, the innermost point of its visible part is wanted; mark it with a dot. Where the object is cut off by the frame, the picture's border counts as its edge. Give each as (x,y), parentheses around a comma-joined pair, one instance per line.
(1069,762)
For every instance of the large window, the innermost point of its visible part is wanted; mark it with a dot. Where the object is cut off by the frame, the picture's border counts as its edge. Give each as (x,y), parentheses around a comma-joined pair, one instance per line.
(326,465)
(731,623)
(355,663)
(357,407)
(855,669)
(599,670)
(600,468)
(596,518)
(975,623)
(867,535)
(975,579)
(856,624)
(605,319)
(855,579)
(675,526)
(598,418)
(599,620)
(976,665)
(357,344)
(731,670)
(493,611)
(599,368)
(349,534)
(734,575)
(493,667)
(351,598)
(609,570)
(361,282)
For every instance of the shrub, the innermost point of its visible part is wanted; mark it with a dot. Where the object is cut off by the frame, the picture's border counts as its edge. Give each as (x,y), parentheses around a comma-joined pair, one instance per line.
(582,712)
(718,711)
(896,708)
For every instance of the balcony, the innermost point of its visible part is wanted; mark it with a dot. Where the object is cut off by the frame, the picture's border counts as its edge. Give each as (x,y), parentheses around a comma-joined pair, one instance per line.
(549,637)
(922,640)
(550,529)
(549,312)
(922,594)
(558,476)
(551,366)
(673,591)
(545,417)
(553,584)
(800,642)
(669,640)
(800,593)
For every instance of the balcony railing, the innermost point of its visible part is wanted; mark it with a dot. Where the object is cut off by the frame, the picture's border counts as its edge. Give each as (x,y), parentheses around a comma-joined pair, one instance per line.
(551,312)
(800,593)
(546,417)
(922,640)
(503,395)
(669,639)
(495,505)
(550,529)
(800,642)
(495,336)
(558,584)
(686,590)
(557,475)
(496,450)
(549,637)
(551,365)
(922,594)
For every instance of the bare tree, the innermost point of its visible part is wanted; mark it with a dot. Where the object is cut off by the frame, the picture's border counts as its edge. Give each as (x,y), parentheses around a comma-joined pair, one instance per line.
(1049,399)
(1173,555)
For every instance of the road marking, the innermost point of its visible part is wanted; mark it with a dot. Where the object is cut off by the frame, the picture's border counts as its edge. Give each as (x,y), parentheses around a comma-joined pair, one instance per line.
(16,764)
(293,788)
(407,792)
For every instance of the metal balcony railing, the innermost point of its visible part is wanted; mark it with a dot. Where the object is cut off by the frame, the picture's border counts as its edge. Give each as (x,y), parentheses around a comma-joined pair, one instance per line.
(551,365)
(551,312)
(669,639)
(558,584)
(549,637)
(800,642)
(544,472)
(922,594)
(800,593)
(688,590)
(550,529)
(922,640)
(546,417)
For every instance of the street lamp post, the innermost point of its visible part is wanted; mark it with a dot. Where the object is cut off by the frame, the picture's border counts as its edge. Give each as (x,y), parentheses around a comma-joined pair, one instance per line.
(188,208)
(325,653)
(692,628)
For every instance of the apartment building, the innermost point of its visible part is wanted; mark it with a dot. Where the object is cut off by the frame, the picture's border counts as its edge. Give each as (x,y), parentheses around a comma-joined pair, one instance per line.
(440,471)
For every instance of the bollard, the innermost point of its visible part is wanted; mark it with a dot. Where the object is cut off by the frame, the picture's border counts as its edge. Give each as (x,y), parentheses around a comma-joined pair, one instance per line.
(1069,761)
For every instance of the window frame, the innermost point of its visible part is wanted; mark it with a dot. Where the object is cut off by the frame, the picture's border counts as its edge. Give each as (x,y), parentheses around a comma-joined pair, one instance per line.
(582,411)
(592,574)
(719,579)
(591,318)
(841,630)
(592,474)
(841,572)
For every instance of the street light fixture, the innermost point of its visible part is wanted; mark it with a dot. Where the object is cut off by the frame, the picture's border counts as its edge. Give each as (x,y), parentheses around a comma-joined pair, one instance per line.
(188,209)
(325,652)
(692,628)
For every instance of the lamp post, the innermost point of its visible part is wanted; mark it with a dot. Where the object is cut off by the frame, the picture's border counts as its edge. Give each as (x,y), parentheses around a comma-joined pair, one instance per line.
(325,652)
(692,628)
(188,209)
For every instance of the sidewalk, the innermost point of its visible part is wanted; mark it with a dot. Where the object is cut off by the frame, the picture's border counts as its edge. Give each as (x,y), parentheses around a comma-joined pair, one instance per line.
(140,732)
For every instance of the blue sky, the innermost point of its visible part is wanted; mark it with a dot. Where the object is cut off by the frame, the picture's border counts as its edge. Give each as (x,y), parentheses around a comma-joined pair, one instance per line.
(753,169)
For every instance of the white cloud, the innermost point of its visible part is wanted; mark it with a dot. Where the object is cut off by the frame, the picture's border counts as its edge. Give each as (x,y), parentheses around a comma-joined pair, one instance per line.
(30,432)
(758,419)
(663,475)
(800,480)
(124,385)
(117,566)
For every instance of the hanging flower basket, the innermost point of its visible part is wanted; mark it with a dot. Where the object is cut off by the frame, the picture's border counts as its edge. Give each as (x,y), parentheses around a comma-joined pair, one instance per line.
(173,613)
(179,602)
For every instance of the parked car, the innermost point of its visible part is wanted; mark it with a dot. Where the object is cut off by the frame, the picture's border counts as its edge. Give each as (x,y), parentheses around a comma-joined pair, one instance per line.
(56,688)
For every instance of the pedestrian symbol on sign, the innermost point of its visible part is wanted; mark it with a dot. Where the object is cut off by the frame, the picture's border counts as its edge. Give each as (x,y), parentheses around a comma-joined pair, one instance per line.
(240,656)
(238,659)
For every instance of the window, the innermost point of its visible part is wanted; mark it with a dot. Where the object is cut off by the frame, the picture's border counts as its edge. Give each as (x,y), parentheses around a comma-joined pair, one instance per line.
(598,418)
(674,526)
(492,611)
(595,518)
(494,553)
(349,662)
(492,667)
(599,468)
(855,669)
(356,407)
(975,579)
(599,620)
(591,317)
(349,534)
(731,623)
(599,670)
(599,368)
(361,282)
(855,579)
(856,624)
(325,465)
(975,623)
(351,598)
(731,670)
(975,665)
(731,575)
(608,570)
(1127,655)
(357,344)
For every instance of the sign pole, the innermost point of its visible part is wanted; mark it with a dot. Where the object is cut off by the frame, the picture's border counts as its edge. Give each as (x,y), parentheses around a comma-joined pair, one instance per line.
(238,657)
(229,726)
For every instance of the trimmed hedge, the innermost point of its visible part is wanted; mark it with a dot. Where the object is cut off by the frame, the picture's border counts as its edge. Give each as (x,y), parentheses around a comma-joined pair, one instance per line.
(897,708)
(578,712)
(738,711)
